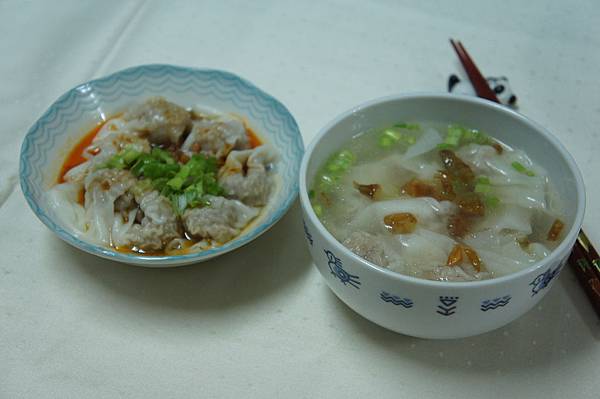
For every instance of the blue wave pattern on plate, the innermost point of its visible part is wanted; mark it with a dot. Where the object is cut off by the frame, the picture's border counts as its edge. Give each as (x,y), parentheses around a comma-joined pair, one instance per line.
(396,300)
(144,81)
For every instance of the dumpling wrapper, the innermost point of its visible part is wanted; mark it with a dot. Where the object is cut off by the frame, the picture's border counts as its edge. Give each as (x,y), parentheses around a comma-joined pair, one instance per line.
(386,172)
(507,217)
(427,142)
(62,200)
(430,214)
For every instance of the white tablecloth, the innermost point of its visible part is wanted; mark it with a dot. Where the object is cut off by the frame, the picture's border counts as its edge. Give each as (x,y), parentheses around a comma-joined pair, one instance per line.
(260,322)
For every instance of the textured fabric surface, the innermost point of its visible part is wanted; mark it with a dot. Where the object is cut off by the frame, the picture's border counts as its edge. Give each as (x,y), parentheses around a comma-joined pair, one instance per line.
(260,322)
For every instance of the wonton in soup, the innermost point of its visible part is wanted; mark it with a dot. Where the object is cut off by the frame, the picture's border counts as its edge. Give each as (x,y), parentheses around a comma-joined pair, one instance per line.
(438,202)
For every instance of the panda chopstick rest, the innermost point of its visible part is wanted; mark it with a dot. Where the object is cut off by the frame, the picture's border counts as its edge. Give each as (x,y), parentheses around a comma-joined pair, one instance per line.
(499,86)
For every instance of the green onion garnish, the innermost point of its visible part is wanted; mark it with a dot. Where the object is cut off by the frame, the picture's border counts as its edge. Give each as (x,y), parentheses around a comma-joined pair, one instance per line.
(445,146)
(386,142)
(482,180)
(184,185)
(391,136)
(458,135)
(522,169)
(482,188)
(453,137)
(318,210)
(491,201)
(409,126)
(335,167)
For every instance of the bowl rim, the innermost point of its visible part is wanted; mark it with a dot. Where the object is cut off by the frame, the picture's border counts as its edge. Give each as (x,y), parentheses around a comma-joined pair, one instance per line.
(563,246)
(167,260)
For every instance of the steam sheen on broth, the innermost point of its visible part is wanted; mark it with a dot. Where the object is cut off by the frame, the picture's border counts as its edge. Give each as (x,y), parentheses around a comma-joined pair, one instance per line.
(440,202)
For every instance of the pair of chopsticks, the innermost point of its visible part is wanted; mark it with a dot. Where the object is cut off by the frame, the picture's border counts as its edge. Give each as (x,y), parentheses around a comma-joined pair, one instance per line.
(584,258)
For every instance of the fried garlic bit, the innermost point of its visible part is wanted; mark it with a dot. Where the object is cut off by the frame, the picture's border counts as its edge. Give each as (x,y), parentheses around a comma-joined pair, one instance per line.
(471,205)
(458,185)
(455,257)
(458,225)
(447,192)
(555,230)
(400,223)
(473,258)
(372,191)
(497,147)
(457,168)
(419,188)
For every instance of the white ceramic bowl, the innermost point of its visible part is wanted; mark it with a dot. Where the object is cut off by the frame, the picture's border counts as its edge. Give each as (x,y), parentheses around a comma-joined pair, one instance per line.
(51,138)
(434,309)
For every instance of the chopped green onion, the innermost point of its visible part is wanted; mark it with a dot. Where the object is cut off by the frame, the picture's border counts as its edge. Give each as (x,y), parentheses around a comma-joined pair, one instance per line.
(389,137)
(130,155)
(386,142)
(454,135)
(522,169)
(311,194)
(466,136)
(392,134)
(481,138)
(482,188)
(116,162)
(160,183)
(482,180)
(347,155)
(445,146)
(409,126)
(318,210)
(185,186)
(326,182)
(155,170)
(338,165)
(179,179)
(121,160)
(162,155)
(491,201)
(334,168)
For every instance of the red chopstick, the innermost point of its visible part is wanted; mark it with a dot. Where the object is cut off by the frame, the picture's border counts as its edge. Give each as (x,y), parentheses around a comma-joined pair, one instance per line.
(587,274)
(584,259)
(477,80)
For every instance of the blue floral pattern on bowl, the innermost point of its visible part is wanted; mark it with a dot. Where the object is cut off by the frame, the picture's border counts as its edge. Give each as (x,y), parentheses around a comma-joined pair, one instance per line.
(336,268)
(188,86)
(542,280)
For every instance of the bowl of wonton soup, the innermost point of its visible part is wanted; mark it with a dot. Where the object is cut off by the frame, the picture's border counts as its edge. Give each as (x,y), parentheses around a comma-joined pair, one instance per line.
(159,138)
(392,254)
